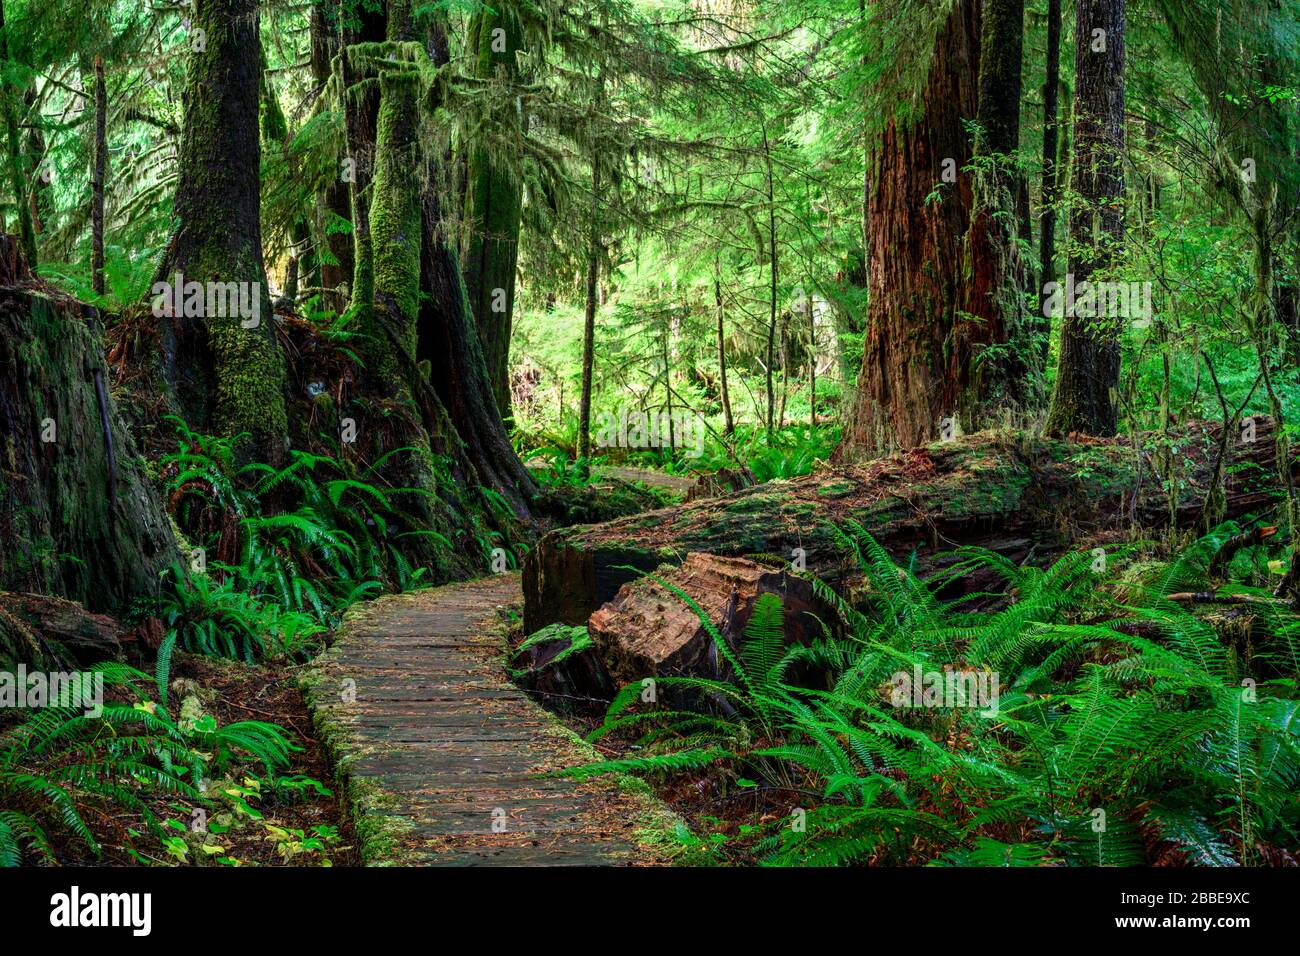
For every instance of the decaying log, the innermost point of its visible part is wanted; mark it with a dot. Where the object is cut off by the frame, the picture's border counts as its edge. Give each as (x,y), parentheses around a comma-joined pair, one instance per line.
(649,631)
(50,632)
(1023,496)
(721,482)
(1249,537)
(78,515)
(568,677)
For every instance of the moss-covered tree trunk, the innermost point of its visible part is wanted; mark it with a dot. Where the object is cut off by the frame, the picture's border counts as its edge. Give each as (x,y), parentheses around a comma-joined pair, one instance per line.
(79,516)
(396,235)
(999,490)
(494,203)
(17,174)
(724,392)
(424,369)
(360,112)
(590,304)
(447,344)
(276,136)
(918,351)
(1007,382)
(334,204)
(226,371)
(100,170)
(1087,372)
(1050,176)
(389,413)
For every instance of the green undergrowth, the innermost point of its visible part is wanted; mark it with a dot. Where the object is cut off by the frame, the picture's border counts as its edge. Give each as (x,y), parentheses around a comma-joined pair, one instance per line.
(277,554)
(786,452)
(1118,722)
(186,784)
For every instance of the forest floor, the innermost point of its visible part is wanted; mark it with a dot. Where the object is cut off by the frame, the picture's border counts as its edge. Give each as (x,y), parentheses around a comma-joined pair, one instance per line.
(444,759)
(233,692)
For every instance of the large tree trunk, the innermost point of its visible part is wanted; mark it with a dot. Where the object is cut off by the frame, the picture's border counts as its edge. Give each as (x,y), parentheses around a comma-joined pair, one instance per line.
(589,316)
(395,225)
(494,206)
(772,275)
(1006,385)
(80,516)
(1047,213)
(724,392)
(17,174)
(360,112)
(334,203)
(447,341)
(1087,371)
(392,383)
(97,181)
(918,352)
(226,373)
(999,490)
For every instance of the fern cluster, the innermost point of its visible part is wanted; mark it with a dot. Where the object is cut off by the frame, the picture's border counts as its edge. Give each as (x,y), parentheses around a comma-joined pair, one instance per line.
(290,547)
(1126,730)
(60,761)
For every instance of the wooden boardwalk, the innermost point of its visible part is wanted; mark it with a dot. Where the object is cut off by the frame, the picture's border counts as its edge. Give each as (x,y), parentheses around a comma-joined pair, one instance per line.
(440,752)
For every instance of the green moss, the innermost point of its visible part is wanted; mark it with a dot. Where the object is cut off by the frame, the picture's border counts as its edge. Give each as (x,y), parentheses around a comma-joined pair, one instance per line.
(753,504)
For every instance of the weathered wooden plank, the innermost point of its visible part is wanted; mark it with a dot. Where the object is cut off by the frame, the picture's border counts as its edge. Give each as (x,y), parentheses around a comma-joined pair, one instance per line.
(418,705)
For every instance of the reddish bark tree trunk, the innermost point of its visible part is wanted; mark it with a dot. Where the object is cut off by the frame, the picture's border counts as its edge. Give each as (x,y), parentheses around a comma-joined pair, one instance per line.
(916,363)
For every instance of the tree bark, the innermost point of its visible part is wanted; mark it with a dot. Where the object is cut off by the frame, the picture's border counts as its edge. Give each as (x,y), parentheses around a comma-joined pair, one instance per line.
(1006,383)
(52,633)
(447,341)
(334,203)
(494,207)
(772,275)
(396,230)
(360,110)
(97,182)
(1089,359)
(589,310)
(729,425)
(1047,214)
(80,516)
(647,630)
(26,228)
(918,352)
(224,374)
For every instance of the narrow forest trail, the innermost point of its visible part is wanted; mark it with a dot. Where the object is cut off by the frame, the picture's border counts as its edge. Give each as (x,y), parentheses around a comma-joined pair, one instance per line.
(440,752)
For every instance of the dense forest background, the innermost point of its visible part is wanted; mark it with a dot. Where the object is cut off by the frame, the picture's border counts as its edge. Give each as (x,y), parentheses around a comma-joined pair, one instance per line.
(308,302)
(718,169)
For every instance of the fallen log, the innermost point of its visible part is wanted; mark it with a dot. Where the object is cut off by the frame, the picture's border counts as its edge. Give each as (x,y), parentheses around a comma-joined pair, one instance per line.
(722,482)
(647,630)
(1023,496)
(561,664)
(51,633)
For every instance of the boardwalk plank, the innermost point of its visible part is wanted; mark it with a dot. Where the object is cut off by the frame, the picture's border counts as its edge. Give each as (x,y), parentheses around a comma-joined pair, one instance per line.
(443,748)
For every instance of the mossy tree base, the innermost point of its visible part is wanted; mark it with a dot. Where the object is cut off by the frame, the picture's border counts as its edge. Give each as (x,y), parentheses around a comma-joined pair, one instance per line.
(81,519)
